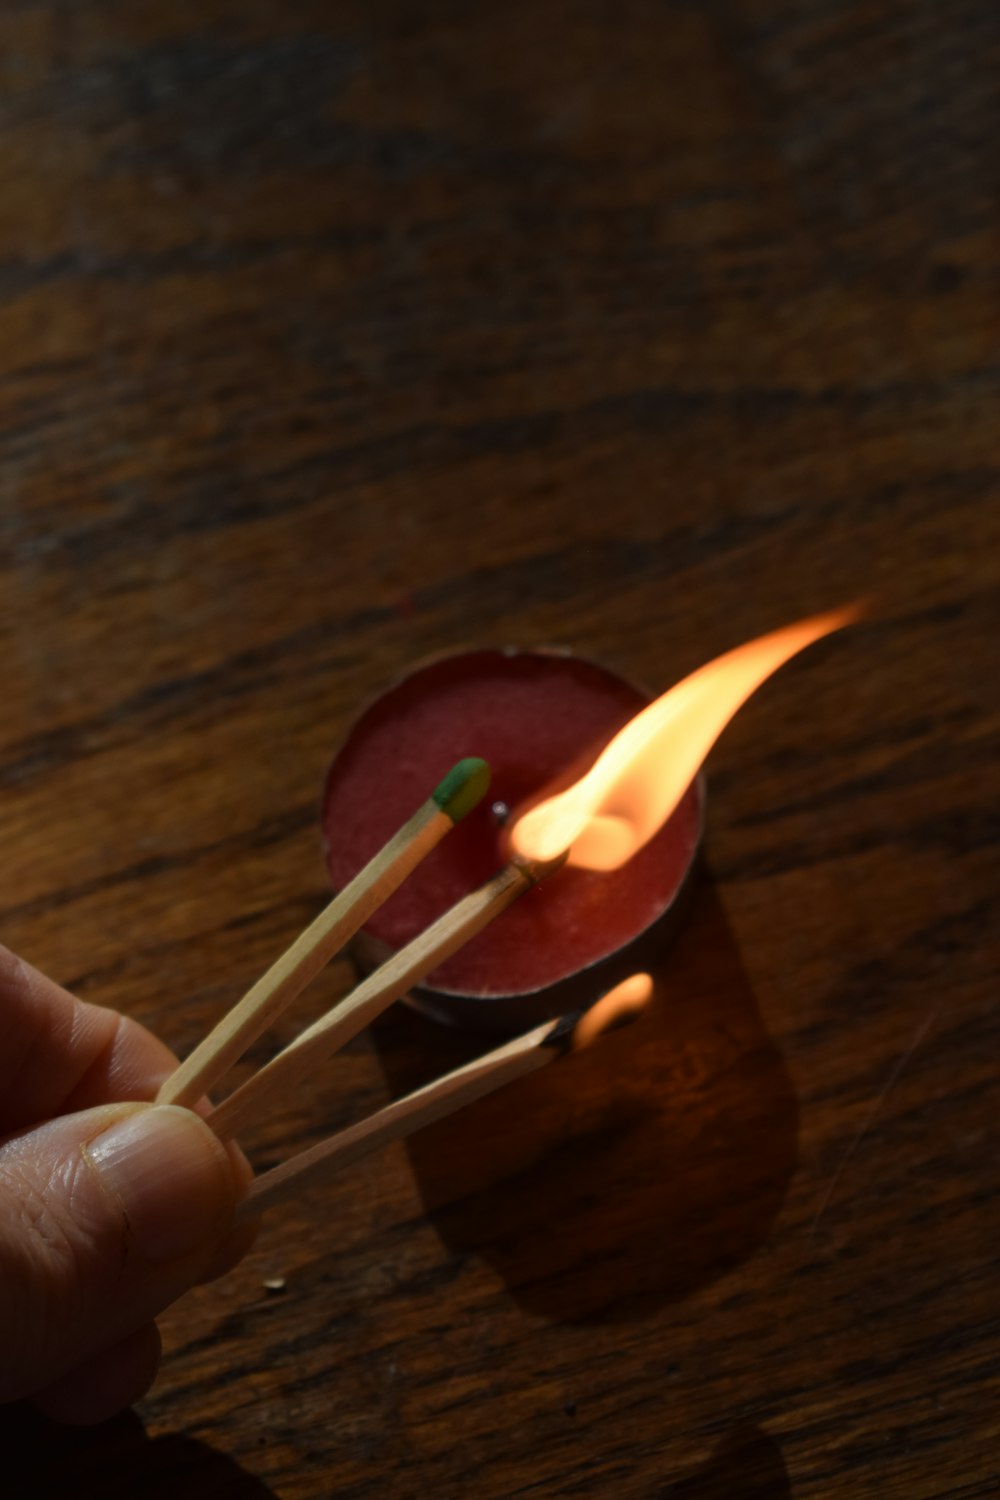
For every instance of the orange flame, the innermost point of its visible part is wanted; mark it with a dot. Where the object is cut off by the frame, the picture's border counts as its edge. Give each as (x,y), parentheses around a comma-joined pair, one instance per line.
(640,777)
(616,1008)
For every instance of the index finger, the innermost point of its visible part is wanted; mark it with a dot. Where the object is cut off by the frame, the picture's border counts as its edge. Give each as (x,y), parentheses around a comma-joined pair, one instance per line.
(60,1053)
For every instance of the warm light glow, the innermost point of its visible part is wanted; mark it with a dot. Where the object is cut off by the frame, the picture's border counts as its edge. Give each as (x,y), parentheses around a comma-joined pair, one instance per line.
(616,1008)
(638,780)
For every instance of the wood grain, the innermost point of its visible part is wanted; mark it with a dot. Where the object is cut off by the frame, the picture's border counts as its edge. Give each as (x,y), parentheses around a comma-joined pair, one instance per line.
(332,336)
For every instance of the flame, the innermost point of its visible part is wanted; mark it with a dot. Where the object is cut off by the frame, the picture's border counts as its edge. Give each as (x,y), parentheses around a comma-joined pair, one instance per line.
(616,1008)
(640,777)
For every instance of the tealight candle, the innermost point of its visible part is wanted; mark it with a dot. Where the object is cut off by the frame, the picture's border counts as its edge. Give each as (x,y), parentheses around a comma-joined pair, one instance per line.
(539,719)
(627,809)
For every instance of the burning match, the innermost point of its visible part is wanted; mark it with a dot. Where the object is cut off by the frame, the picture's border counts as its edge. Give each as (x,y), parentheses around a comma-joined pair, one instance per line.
(446,1095)
(638,780)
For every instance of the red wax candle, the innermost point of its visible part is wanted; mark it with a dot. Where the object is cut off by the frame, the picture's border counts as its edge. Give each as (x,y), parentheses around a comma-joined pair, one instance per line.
(538,718)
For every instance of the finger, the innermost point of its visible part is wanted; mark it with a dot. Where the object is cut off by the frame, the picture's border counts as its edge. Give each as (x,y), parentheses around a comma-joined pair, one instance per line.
(106,1217)
(58,1049)
(131,1065)
(239,1241)
(123,1074)
(105,1383)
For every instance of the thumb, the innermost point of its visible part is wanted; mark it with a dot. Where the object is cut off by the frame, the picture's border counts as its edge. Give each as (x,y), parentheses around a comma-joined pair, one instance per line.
(106,1217)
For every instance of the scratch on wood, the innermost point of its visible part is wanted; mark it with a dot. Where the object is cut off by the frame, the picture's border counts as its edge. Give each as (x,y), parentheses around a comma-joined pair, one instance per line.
(875,1110)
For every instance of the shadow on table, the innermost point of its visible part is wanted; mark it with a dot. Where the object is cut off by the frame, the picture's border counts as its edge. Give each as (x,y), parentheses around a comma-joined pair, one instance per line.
(747,1466)
(115,1461)
(625,1175)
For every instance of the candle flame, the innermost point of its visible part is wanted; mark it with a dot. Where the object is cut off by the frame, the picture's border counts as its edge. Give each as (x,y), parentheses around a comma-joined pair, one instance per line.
(616,1008)
(640,777)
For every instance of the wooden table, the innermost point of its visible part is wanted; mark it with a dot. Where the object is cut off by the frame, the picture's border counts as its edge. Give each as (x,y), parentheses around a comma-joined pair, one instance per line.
(335,335)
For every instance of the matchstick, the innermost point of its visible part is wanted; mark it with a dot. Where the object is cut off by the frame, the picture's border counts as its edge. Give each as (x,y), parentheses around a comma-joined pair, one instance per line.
(401,1118)
(447,805)
(391,980)
(435,1100)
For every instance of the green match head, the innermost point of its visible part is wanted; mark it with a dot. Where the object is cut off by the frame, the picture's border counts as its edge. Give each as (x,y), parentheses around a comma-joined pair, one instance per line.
(465,785)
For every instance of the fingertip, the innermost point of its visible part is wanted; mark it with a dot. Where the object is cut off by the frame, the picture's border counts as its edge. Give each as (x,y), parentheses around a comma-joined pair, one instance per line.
(239,1241)
(132,1205)
(242,1170)
(171,1178)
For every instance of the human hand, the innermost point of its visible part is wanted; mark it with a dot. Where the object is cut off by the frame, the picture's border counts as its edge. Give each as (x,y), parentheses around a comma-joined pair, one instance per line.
(109,1210)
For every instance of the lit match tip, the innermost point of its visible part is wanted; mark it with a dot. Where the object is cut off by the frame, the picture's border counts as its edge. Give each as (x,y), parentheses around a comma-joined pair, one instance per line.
(640,777)
(617,1008)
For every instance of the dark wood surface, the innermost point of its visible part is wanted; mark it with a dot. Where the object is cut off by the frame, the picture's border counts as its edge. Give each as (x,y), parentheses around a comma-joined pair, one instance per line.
(333,335)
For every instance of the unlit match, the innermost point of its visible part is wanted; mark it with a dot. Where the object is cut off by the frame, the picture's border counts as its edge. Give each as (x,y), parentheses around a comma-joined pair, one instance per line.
(448,804)
(536,1049)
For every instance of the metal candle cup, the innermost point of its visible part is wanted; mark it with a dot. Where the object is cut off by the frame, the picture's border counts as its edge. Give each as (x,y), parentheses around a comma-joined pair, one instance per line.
(539,719)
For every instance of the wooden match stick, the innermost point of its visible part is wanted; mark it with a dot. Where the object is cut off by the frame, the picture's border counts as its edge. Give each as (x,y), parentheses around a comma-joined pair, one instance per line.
(405,968)
(445,1095)
(448,804)
(433,1102)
